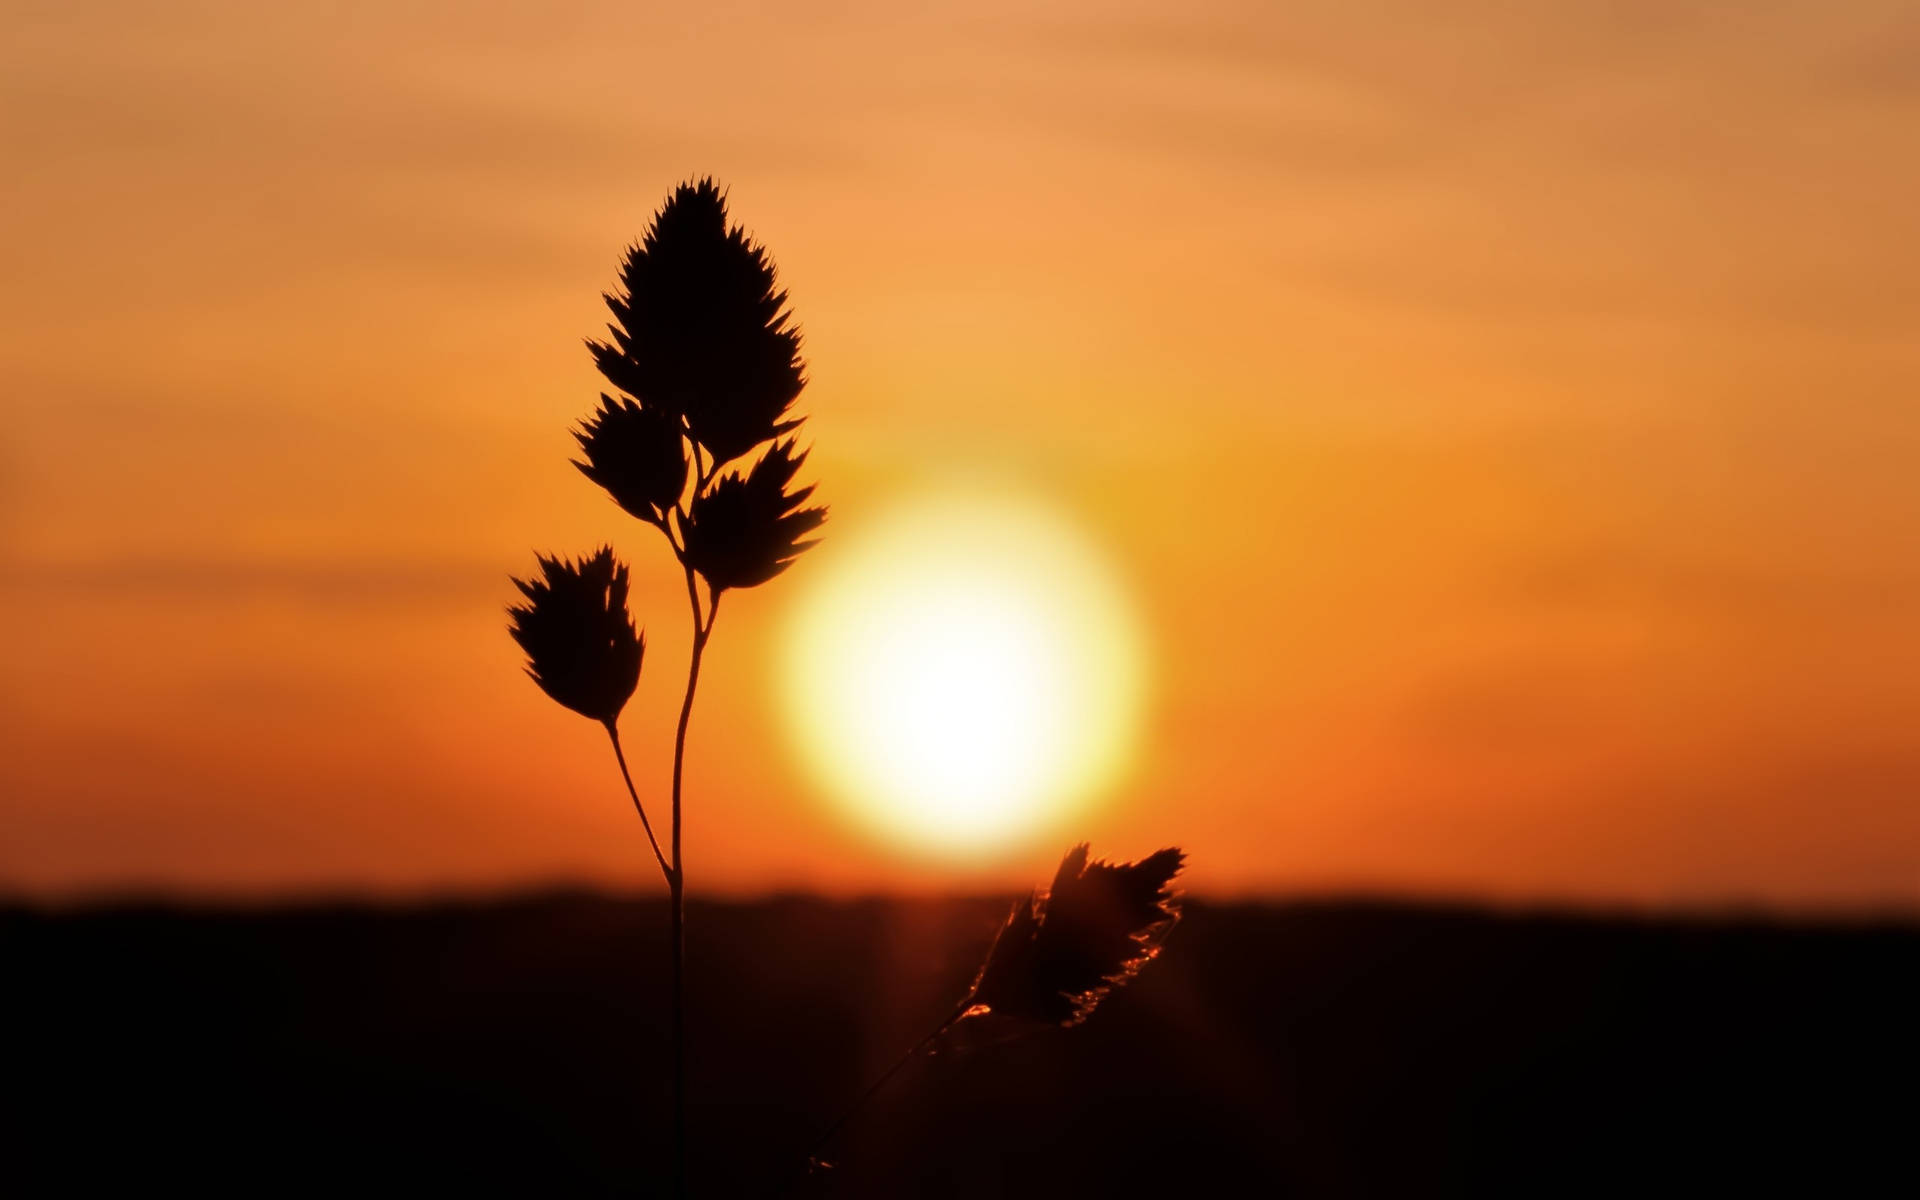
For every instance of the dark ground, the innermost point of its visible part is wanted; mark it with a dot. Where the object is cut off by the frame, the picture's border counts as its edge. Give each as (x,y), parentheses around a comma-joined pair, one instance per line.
(1309,1049)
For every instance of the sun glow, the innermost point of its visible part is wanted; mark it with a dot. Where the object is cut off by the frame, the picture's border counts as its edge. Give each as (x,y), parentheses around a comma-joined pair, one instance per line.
(964,672)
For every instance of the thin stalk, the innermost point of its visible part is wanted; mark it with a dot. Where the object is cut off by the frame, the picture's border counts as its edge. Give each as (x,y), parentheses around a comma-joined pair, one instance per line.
(677,882)
(613,732)
(873,1089)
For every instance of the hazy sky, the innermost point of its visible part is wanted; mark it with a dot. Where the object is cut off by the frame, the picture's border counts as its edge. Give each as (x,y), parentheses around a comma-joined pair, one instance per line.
(1509,416)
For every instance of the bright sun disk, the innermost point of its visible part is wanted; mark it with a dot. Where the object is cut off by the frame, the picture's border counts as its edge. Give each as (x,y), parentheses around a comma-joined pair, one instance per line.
(963,672)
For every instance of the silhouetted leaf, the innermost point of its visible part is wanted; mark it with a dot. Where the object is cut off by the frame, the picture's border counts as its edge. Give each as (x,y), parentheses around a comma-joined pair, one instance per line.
(634,451)
(744,531)
(1063,950)
(580,642)
(700,329)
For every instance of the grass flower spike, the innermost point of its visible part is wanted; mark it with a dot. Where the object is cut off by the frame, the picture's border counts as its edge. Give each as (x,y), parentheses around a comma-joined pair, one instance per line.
(1060,953)
(581,645)
(701,330)
(635,451)
(1063,950)
(745,531)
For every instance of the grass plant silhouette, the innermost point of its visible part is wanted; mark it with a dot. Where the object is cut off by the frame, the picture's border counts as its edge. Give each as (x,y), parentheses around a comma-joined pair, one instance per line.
(706,358)
(1061,952)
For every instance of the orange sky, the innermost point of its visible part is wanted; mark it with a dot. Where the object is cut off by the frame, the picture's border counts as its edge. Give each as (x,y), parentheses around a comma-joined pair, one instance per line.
(1511,425)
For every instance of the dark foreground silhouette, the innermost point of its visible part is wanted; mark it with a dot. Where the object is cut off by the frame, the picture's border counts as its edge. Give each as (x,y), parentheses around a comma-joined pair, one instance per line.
(1304,1049)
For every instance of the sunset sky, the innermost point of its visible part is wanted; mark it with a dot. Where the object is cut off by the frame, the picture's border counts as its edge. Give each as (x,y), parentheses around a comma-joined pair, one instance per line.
(1506,421)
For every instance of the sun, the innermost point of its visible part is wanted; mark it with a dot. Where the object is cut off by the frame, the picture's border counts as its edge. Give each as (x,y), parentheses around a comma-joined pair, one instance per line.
(964,671)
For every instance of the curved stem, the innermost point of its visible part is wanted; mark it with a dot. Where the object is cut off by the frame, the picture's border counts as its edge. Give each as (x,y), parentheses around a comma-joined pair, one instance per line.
(613,732)
(873,1089)
(677,882)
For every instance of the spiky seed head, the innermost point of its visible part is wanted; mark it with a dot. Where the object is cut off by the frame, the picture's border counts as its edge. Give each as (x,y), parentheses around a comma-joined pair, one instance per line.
(743,531)
(634,451)
(701,329)
(1063,950)
(581,645)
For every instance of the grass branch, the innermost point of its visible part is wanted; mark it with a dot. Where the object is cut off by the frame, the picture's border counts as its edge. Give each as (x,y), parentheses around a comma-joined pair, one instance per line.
(886,1077)
(613,732)
(677,894)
